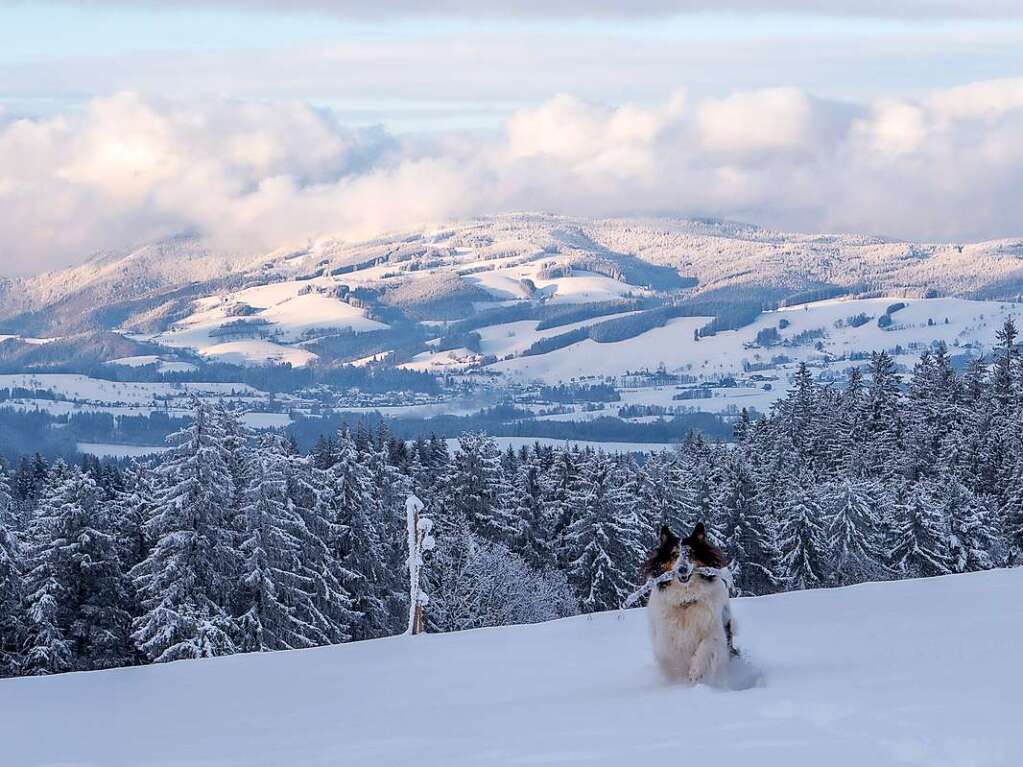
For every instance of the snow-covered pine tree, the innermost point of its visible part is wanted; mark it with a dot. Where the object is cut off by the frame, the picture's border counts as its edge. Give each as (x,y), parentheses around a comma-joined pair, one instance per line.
(236,443)
(800,421)
(604,543)
(534,539)
(931,412)
(310,494)
(357,536)
(636,484)
(274,596)
(850,427)
(130,511)
(751,537)
(185,584)
(802,539)
(556,486)
(657,494)
(12,586)
(323,453)
(1004,374)
(973,539)
(47,649)
(666,493)
(853,534)
(1012,519)
(920,545)
(478,489)
(697,477)
(883,424)
(77,593)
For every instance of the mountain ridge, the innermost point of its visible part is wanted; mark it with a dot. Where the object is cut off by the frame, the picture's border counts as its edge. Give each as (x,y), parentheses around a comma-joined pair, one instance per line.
(406,280)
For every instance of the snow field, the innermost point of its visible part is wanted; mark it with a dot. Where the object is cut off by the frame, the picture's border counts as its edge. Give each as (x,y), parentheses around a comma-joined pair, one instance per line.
(969,322)
(288,312)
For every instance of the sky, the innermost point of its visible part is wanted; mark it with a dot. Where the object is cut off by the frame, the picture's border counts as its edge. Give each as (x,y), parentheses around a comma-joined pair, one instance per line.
(264,123)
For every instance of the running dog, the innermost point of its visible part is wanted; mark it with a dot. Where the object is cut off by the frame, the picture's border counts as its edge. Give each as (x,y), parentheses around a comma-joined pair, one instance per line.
(690,622)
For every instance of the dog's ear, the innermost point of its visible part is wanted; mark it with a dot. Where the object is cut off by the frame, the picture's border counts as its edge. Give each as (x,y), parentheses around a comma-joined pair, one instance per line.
(699,533)
(668,537)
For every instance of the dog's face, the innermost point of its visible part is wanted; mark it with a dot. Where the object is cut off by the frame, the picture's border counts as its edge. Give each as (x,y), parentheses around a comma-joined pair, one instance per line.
(701,553)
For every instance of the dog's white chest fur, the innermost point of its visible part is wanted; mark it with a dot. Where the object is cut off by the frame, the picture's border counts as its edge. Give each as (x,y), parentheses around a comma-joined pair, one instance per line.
(687,629)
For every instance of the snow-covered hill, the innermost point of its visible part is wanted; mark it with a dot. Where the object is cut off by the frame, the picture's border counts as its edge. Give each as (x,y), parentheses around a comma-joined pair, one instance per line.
(925,672)
(284,305)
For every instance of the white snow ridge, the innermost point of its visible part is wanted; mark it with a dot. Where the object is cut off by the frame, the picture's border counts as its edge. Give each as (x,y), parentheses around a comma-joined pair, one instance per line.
(922,672)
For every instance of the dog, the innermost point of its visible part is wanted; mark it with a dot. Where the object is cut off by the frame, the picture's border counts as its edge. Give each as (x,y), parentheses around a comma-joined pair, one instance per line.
(691,624)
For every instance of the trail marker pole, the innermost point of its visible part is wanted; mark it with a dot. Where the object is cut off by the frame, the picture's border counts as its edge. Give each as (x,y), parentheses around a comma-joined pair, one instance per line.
(419,541)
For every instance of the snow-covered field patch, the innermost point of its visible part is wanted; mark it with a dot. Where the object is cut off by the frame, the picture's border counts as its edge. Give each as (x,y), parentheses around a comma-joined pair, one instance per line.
(807,332)
(105,450)
(608,447)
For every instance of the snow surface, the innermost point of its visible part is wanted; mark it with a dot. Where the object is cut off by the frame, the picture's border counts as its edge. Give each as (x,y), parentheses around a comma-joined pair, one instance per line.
(288,315)
(81,388)
(969,322)
(924,672)
(606,446)
(108,450)
(164,366)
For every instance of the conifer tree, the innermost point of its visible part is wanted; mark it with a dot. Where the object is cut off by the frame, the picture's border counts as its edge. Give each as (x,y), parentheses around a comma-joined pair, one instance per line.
(310,494)
(186,582)
(130,511)
(883,424)
(604,543)
(750,535)
(478,489)
(853,533)
(274,598)
(356,535)
(557,485)
(1011,514)
(920,545)
(1003,377)
(76,590)
(803,544)
(13,624)
(972,536)
(534,540)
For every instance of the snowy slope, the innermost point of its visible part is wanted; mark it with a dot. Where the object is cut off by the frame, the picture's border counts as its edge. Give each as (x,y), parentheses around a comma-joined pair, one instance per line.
(257,308)
(968,323)
(910,673)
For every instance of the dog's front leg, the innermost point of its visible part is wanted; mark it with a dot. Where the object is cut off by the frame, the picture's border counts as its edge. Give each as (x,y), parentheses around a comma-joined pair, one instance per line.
(704,660)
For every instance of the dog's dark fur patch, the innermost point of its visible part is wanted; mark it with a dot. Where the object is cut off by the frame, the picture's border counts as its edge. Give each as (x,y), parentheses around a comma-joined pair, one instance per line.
(730,637)
(662,558)
(701,551)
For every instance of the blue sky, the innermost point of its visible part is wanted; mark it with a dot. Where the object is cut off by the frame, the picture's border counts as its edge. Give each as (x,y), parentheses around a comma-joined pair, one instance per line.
(56,56)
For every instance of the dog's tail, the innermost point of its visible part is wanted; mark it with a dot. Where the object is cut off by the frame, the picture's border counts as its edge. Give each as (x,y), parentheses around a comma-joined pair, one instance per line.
(730,628)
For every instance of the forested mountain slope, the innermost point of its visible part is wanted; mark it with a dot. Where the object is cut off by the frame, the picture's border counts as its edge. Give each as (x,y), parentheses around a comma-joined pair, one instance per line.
(339,301)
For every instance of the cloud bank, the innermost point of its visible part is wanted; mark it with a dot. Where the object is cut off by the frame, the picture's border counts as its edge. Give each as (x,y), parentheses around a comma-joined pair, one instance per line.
(596,8)
(948,165)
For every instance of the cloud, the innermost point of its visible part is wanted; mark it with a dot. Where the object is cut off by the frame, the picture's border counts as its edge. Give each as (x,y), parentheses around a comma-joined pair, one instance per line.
(255,176)
(595,8)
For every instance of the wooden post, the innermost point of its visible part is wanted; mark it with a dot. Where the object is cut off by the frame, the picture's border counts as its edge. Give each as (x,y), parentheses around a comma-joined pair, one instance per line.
(417,615)
(419,541)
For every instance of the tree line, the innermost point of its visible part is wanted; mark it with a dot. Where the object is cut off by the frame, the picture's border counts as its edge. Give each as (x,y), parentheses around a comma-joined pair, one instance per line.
(232,542)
